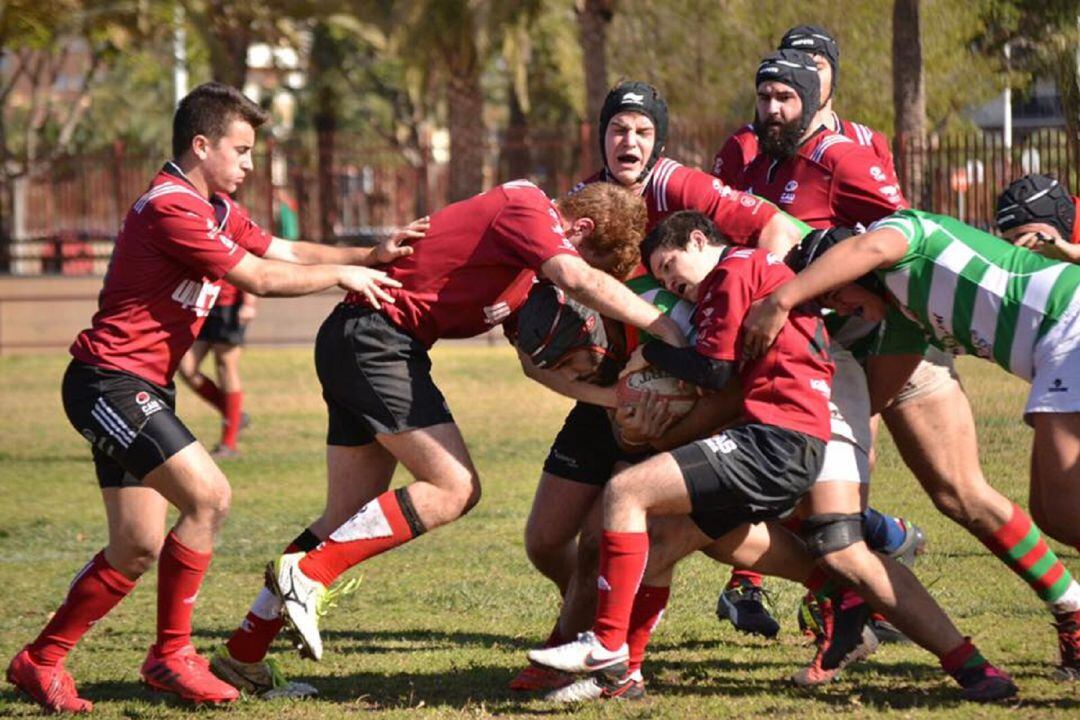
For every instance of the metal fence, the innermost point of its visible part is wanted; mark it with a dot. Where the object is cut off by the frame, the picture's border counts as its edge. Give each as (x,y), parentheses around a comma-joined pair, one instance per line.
(68,217)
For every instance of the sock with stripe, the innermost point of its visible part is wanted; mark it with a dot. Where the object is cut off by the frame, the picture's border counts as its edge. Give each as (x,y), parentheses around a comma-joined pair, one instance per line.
(963,661)
(94,591)
(251,641)
(180,574)
(1020,545)
(623,556)
(234,407)
(648,609)
(883,533)
(743,577)
(208,390)
(384,523)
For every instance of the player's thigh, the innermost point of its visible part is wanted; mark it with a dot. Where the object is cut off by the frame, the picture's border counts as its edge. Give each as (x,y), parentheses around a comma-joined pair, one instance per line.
(657,485)
(558,512)
(766,547)
(671,538)
(355,475)
(435,454)
(191,481)
(1055,478)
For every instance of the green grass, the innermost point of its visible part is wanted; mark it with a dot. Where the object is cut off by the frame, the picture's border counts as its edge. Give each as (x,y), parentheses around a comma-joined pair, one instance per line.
(441,625)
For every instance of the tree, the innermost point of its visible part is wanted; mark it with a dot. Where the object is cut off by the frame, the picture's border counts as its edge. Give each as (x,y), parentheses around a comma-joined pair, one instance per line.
(909,95)
(594,17)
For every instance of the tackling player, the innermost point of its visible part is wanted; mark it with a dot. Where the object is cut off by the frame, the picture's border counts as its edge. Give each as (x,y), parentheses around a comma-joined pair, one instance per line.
(177,242)
(748,473)
(967,291)
(472,271)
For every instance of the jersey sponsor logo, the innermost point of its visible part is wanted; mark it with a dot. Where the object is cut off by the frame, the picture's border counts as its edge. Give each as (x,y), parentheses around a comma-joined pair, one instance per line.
(199,297)
(820,385)
(495,314)
(722,444)
(890,191)
(791,186)
(877,173)
(748,201)
(724,190)
(631,98)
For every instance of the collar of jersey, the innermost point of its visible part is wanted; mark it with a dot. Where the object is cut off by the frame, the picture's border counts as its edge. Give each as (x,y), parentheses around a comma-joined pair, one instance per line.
(221,208)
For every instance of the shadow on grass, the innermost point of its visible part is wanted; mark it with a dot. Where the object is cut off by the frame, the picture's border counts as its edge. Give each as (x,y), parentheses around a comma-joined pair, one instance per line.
(364,642)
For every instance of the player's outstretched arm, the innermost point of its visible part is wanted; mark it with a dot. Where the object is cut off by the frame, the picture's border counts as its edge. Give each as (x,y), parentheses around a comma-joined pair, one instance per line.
(842,265)
(307,253)
(609,297)
(273,278)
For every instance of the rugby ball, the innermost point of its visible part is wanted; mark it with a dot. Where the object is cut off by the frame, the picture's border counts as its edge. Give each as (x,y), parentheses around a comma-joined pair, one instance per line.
(633,386)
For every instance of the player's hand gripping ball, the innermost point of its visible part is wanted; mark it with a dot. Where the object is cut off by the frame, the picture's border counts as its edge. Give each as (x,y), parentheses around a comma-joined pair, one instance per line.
(632,387)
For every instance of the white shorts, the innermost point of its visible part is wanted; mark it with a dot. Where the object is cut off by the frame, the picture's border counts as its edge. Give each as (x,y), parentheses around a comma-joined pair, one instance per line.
(936,370)
(844,462)
(1056,385)
(847,452)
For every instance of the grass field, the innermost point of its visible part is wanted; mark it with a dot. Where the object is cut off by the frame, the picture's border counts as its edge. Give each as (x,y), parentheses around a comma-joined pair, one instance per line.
(440,626)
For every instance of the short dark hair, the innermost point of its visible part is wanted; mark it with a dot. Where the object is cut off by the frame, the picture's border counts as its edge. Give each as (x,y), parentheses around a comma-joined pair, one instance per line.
(674,232)
(209,110)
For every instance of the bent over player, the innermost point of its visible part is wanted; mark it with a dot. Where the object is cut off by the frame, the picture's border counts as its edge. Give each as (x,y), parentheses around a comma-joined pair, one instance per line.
(176,244)
(472,271)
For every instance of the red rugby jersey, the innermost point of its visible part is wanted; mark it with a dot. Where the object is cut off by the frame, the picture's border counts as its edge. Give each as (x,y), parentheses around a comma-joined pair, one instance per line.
(790,386)
(832,180)
(742,147)
(164,276)
(671,187)
(476,264)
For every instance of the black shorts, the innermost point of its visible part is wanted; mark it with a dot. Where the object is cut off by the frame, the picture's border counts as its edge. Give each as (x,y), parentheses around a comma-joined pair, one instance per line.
(747,474)
(223,325)
(131,423)
(585,450)
(376,378)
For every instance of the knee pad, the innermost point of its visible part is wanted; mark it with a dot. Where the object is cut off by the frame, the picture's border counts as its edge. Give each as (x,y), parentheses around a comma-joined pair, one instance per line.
(824,534)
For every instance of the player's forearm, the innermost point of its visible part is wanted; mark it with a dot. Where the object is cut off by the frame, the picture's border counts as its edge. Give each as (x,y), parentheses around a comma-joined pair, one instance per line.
(840,266)
(573,389)
(689,365)
(611,298)
(306,253)
(273,278)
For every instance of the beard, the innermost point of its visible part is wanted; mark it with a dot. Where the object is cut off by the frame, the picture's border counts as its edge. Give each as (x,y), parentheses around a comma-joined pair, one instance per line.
(780,145)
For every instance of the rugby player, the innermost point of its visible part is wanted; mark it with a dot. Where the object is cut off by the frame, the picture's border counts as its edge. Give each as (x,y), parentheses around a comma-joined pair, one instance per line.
(749,473)
(1036,212)
(177,242)
(967,291)
(472,271)
(223,335)
(742,147)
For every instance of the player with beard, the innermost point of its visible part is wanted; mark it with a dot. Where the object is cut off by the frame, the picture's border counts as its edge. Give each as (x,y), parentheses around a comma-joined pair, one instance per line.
(742,147)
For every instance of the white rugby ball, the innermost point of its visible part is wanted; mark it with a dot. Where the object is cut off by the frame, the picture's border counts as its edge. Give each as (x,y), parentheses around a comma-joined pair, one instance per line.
(633,386)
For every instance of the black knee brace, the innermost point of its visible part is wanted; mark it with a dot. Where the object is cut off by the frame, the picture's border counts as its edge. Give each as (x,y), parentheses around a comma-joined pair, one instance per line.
(824,534)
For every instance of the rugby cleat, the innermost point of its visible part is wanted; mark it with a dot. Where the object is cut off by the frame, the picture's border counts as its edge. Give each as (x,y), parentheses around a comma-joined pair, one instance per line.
(187,674)
(844,638)
(741,602)
(264,678)
(1067,625)
(586,654)
(535,678)
(602,685)
(300,598)
(50,686)
(984,683)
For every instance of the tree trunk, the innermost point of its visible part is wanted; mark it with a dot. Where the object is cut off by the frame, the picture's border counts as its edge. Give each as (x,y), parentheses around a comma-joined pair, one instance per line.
(593,16)
(465,106)
(909,99)
(516,161)
(325,120)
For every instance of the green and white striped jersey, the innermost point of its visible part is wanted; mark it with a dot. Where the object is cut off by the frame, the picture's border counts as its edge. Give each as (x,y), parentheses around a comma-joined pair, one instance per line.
(682,312)
(972,292)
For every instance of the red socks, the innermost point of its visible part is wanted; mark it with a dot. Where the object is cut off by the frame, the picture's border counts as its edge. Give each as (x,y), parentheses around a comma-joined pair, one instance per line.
(622,564)
(384,523)
(211,393)
(233,408)
(180,574)
(95,590)
(648,608)
(738,577)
